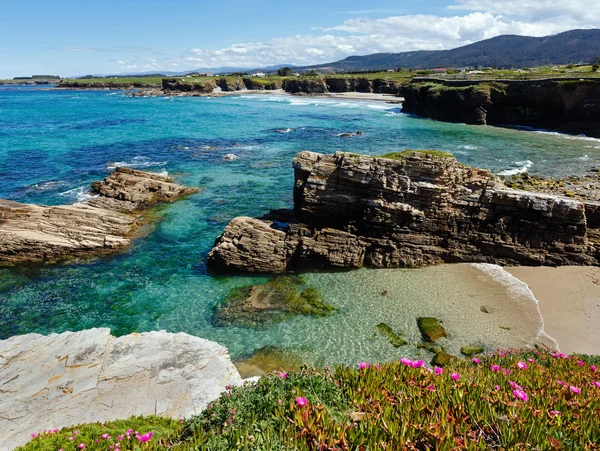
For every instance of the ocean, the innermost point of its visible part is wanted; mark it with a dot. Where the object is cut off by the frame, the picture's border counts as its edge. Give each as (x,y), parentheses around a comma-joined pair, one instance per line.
(53,144)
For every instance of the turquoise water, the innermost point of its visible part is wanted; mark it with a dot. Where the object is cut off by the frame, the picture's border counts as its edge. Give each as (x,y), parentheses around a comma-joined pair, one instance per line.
(53,144)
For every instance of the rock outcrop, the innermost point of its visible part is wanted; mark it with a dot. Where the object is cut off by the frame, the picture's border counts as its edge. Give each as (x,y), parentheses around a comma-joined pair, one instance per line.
(566,105)
(413,209)
(179,85)
(105,223)
(60,380)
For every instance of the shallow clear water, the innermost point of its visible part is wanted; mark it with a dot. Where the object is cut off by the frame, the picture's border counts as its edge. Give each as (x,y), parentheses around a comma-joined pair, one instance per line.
(53,144)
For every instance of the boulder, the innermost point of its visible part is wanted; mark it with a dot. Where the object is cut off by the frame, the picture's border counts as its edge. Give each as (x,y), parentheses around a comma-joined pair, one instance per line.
(66,379)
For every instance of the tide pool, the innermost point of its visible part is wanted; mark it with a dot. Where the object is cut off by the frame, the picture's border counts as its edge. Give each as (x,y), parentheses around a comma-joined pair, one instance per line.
(53,144)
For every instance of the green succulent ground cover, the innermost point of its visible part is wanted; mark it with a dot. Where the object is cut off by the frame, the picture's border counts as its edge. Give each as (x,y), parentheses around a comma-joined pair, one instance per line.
(509,400)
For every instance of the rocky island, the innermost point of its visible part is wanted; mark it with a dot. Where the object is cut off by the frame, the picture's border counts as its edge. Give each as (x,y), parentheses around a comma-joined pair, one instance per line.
(38,233)
(408,209)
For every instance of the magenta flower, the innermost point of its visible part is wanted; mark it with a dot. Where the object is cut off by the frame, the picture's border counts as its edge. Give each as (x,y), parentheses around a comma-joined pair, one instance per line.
(120,437)
(418,364)
(34,435)
(439,371)
(580,363)
(597,384)
(593,367)
(496,387)
(363,365)
(406,361)
(506,371)
(515,385)
(283,375)
(71,438)
(575,389)
(455,376)
(476,360)
(522,365)
(301,401)
(81,446)
(431,388)
(530,360)
(560,383)
(145,437)
(104,436)
(495,368)
(376,367)
(555,412)
(520,394)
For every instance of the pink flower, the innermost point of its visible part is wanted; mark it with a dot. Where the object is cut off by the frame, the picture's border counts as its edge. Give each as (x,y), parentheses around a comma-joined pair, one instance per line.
(514,385)
(455,376)
(530,360)
(580,363)
(593,367)
(145,437)
(496,387)
(81,446)
(522,365)
(495,368)
(120,437)
(501,354)
(363,365)
(439,371)
(555,412)
(520,394)
(597,383)
(431,388)
(476,360)
(418,364)
(34,435)
(575,389)
(104,436)
(506,371)
(301,401)
(283,375)
(71,438)
(406,361)
(76,432)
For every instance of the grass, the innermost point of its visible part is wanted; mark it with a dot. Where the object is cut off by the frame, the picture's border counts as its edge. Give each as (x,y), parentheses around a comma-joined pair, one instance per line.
(146,81)
(408,153)
(518,400)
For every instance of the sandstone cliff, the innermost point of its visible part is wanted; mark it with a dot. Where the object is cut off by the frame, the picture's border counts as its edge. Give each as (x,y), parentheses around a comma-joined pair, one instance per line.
(415,209)
(39,233)
(570,106)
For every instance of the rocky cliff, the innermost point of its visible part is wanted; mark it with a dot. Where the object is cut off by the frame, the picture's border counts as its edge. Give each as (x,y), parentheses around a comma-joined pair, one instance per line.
(177,85)
(570,106)
(71,378)
(414,209)
(105,223)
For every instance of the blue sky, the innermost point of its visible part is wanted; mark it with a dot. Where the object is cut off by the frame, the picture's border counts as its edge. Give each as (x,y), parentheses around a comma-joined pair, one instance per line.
(133,36)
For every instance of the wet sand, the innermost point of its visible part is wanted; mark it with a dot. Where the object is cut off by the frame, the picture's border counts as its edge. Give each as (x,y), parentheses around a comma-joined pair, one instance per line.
(569,301)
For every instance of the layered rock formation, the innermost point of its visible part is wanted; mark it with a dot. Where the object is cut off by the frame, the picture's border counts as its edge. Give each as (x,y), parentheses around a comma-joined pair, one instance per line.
(570,106)
(60,380)
(414,209)
(39,233)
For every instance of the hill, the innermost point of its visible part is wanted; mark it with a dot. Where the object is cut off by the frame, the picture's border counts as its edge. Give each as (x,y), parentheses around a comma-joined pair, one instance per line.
(508,51)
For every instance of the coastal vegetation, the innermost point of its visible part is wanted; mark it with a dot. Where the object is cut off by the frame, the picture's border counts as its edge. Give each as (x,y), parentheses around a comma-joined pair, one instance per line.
(506,400)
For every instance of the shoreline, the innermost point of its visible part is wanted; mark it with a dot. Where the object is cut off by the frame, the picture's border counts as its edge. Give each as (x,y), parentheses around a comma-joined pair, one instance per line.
(569,302)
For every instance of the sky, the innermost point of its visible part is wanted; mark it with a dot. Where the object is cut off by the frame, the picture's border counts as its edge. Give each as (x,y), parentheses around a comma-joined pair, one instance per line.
(131,36)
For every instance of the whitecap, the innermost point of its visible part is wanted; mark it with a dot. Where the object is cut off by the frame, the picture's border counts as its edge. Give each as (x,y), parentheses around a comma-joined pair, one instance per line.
(518,289)
(81,194)
(136,162)
(468,147)
(524,166)
(584,158)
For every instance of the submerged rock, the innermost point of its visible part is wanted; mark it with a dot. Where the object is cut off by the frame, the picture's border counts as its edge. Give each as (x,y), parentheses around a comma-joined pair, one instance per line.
(395,339)
(442,359)
(66,379)
(274,300)
(409,209)
(471,350)
(101,225)
(431,329)
(266,360)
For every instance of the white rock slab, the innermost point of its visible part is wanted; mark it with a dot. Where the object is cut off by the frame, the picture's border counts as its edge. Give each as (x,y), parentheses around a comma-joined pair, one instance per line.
(60,380)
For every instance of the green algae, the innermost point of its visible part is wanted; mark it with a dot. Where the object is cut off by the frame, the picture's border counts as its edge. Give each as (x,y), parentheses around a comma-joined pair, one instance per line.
(275,300)
(395,339)
(431,329)
(471,350)
(442,359)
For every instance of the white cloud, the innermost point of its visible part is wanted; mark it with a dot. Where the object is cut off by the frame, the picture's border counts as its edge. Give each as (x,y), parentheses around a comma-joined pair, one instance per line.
(468,21)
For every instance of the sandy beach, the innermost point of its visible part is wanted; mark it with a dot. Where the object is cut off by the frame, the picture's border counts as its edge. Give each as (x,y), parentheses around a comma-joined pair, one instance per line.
(569,300)
(370,96)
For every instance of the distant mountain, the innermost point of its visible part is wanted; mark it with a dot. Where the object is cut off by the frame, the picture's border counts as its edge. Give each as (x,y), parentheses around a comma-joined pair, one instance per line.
(508,51)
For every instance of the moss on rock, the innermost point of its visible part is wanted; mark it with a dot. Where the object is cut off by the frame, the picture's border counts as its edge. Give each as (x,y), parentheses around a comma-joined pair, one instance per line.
(275,300)
(471,350)
(393,337)
(431,329)
(442,359)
